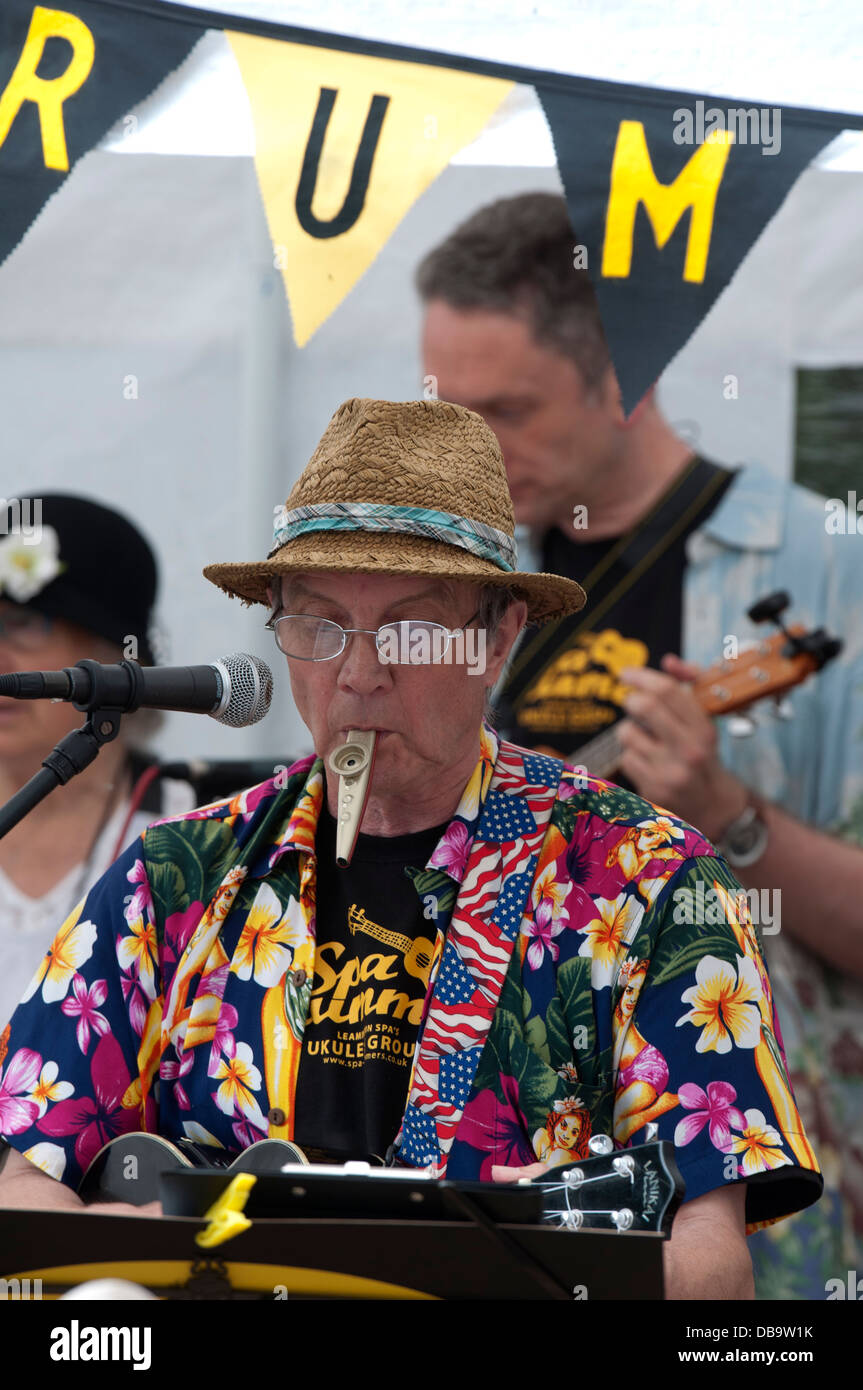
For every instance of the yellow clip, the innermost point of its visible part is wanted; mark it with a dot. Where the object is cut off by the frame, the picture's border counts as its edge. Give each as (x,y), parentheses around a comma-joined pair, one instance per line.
(226,1214)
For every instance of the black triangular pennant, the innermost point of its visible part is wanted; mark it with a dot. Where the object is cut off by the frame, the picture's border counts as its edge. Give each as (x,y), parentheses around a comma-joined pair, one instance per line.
(102,62)
(638,167)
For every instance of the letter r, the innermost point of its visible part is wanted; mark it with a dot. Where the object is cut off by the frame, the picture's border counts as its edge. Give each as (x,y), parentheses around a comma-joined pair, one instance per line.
(48,93)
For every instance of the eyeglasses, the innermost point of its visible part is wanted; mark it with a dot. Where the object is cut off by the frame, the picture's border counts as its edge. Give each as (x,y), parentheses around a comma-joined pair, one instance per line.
(408,642)
(25,630)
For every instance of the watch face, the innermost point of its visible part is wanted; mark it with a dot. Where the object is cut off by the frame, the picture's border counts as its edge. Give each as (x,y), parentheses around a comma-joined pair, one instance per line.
(746,843)
(744,839)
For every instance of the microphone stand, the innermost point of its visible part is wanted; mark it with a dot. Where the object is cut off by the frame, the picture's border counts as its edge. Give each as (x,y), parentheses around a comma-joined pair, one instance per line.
(70,756)
(78,749)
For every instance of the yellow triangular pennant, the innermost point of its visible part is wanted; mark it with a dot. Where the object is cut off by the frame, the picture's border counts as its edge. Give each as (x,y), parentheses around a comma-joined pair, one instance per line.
(345,144)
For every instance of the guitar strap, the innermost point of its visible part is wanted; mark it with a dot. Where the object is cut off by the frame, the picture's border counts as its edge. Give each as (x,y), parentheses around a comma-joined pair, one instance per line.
(635,553)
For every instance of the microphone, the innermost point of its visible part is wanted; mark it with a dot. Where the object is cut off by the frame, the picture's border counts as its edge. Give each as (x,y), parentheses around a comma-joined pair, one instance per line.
(236,690)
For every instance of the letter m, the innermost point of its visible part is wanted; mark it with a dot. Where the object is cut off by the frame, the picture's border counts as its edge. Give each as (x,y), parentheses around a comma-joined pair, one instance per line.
(633,181)
(10,1288)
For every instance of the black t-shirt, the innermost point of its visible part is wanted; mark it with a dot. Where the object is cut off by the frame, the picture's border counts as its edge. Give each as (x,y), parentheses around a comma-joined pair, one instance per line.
(372,962)
(563,687)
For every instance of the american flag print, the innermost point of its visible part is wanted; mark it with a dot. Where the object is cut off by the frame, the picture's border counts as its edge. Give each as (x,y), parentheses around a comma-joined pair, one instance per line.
(484,928)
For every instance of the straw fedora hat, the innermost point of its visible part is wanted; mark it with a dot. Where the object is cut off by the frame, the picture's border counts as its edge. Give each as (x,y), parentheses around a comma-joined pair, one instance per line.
(402,487)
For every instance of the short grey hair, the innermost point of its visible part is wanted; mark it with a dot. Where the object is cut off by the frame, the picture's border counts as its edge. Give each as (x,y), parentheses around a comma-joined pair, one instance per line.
(516,256)
(494,600)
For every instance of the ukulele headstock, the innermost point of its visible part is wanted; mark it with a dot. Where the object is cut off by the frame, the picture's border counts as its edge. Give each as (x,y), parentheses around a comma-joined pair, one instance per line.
(771,667)
(637,1189)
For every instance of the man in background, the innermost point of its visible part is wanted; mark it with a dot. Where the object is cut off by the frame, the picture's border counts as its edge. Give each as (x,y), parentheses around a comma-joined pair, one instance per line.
(672,550)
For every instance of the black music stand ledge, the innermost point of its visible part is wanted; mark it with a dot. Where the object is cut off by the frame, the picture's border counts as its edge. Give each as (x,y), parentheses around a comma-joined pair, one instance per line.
(465,1249)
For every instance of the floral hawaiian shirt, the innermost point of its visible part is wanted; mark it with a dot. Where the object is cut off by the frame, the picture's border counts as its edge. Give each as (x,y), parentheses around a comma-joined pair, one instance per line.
(594,972)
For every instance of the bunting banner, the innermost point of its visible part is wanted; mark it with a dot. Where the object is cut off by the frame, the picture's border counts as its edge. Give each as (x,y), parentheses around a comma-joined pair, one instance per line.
(667,191)
(67,74)
(345,144)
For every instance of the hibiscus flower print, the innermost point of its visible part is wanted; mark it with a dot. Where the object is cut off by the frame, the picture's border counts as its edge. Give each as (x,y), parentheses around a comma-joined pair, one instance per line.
(95,1119)
(714,1107)
(543,931)
(267,942)
(247,1134)
(476,791)
(452,852)
(84,1005)
(141,902)
(759,1144)
(200,1135)
(223,1038)
(137,954)
(609,934)
(50,1158)
(495,1129)
(137,1003)
(239,1077)
(174,1071)
(548,894)
(724,1005)
(49,1089)
(18,1080)
(70,949)
(179,927)
(549,918)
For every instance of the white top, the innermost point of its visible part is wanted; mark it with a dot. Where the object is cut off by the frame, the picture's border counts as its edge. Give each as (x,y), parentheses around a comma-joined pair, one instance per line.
(29,925)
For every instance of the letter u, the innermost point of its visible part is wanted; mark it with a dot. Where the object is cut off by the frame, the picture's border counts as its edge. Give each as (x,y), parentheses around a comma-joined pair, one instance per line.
(356,195)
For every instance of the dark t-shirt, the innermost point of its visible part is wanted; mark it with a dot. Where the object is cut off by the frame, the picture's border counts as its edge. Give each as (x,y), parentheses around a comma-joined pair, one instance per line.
(372,962)
(563,687)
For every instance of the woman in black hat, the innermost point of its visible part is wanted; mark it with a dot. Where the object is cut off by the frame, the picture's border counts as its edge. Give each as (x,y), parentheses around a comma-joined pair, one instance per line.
(77,580)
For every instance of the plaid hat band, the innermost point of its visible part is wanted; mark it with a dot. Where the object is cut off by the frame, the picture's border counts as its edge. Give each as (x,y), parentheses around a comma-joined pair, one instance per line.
(477,537)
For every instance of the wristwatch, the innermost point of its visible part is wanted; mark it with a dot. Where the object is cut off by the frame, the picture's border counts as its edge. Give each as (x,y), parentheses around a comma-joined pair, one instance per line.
(744,841)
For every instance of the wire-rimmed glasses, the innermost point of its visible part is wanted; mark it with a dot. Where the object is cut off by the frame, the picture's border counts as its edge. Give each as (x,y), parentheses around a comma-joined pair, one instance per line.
(405,642)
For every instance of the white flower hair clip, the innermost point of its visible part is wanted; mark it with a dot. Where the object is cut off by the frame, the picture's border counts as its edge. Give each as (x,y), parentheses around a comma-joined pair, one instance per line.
(27,567)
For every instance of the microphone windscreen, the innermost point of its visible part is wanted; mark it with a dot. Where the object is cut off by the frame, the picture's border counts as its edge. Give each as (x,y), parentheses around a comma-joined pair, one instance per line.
(247,690)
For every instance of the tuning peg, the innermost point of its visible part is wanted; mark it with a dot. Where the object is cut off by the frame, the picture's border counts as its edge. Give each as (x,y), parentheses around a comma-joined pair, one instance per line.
(651,1129)
(740,725)
(783,709)
(769,608)
(600,1145)
(623,1219)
